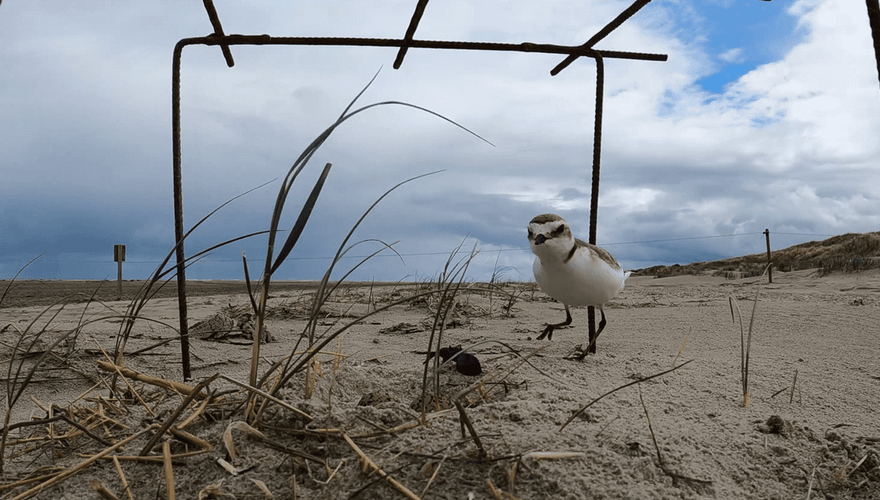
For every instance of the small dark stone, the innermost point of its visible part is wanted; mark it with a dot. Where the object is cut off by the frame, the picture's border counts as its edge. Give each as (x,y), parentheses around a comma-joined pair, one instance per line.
(775,425)
(468,364)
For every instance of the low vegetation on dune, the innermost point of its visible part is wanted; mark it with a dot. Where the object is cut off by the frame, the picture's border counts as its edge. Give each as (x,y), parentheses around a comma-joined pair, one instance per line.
(844,253)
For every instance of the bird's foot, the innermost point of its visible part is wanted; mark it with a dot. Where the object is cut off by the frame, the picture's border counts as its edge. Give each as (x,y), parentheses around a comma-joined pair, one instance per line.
(578,353)
(548,331)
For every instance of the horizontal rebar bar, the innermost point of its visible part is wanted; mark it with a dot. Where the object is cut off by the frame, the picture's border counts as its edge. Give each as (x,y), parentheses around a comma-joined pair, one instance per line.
(422,44)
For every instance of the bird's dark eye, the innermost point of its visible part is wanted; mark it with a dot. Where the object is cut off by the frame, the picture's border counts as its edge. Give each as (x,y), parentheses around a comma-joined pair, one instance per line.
(531,234)
(560,229)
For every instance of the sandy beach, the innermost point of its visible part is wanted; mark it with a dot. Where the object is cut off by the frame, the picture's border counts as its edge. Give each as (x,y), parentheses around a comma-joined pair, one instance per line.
(811,428)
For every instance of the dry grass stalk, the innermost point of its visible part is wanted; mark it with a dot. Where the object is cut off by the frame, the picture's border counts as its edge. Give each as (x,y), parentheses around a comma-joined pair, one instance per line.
(122,478)
(793,383)
(109,366)
(612,391)
(681,349)
(262,487)
(553,455)
(334,371)
(154,459)
(433,476)
(301,414)
(660,462)
(147,379)
(190,419)
(240,426)
(168,470)
(449,289)
(273,261)
(28,480)
(651,429)
(746,341)
(405,427)
(465,421)
(372,465)
(82,429)
(17,383)
(212,491)
(176,414)
(498,493)
(191,439)
(99,488)
(810,486)
(82,465)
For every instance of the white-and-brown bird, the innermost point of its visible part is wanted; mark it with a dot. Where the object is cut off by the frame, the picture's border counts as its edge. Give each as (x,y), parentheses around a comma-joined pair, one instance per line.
(572,271)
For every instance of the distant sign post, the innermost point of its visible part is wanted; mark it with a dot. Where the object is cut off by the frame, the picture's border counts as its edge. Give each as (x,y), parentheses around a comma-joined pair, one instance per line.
(119,257)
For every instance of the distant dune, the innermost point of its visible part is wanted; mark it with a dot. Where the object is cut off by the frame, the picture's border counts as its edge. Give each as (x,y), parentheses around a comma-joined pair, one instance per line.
(847,252)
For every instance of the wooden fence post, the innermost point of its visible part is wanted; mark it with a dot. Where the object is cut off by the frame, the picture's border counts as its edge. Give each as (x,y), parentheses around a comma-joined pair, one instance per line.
(769,262)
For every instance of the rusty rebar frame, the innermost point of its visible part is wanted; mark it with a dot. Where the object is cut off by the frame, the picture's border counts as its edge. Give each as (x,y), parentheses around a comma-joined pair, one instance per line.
(225,41)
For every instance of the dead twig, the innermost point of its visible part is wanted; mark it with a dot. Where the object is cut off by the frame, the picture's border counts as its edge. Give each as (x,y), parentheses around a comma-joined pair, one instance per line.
(303,415)
(434,475)
(660,462)
(176,414)
(372,465)
(122,478)
(158,382)
(457,400)
(168,470)
(612,391)
(99,488)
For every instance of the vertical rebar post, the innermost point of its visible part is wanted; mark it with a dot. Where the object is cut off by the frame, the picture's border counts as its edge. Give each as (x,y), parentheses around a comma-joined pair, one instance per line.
(874,21)
(594,192)
(769,260)
(178,208)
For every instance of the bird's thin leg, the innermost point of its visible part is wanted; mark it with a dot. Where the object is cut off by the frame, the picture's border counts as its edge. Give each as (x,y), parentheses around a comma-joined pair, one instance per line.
(548,330)
(602,324)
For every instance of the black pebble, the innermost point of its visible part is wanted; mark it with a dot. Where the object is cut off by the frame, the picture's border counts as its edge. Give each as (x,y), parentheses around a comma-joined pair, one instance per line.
(467,364)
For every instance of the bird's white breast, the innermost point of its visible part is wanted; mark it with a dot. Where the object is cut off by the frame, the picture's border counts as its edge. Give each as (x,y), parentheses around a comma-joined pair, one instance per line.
(585,280)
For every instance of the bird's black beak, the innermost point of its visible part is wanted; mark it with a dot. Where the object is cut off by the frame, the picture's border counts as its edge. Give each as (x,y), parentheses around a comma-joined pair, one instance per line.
(540,239)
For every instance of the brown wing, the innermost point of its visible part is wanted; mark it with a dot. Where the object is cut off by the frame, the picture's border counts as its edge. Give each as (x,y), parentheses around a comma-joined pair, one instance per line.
(601,252)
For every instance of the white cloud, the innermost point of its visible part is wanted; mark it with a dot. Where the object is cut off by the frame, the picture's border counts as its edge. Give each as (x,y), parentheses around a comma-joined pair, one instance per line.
(791,144)
(734,55)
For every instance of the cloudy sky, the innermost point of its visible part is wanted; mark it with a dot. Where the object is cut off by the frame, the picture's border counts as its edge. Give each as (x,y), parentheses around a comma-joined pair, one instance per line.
(766,115)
